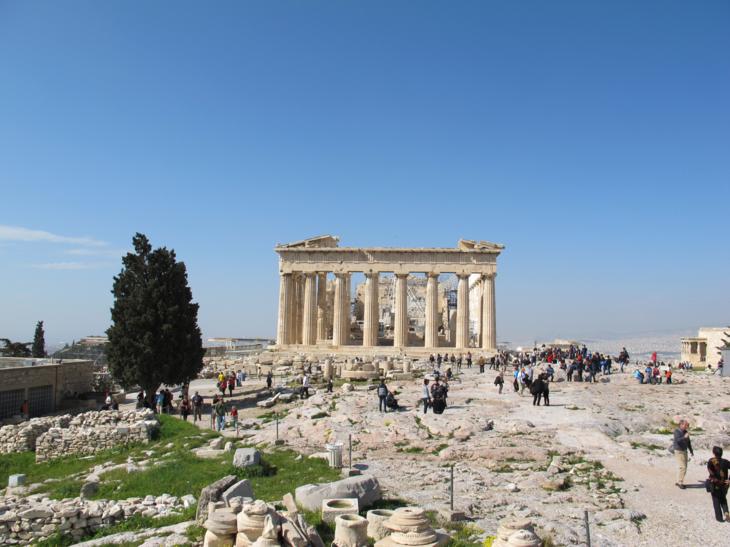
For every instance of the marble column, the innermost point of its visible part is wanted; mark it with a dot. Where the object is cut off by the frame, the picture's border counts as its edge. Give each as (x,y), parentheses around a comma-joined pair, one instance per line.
(321,307)
(309,320)
(462,312)
(282,331)
(400,339)
(370,323)
(292,307)
(489,314)
(432,311)
(347,309)
(338,308)
(299,292)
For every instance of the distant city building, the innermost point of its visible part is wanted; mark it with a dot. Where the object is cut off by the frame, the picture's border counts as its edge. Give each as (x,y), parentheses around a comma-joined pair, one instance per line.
(42,382)
(94,341)
(705,348)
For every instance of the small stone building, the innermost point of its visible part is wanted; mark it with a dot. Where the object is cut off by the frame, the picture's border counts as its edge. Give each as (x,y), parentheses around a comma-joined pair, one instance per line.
(43,382)
(704,349)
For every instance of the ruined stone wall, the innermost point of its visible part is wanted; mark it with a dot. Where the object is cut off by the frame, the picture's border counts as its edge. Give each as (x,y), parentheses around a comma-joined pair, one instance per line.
(85,433)
(24,520)
(92,432)
(23,436)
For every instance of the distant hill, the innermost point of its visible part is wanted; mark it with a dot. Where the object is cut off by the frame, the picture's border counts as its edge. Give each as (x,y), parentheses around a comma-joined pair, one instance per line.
(96,353)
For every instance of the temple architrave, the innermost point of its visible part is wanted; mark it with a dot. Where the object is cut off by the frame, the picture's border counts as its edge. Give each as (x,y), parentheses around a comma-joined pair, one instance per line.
(311,317)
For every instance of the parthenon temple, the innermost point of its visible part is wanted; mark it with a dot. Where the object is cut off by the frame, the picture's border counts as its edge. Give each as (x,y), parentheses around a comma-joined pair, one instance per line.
(411,300)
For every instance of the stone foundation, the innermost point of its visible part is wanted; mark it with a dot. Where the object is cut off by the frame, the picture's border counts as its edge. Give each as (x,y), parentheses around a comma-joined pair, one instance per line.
(23,436)
(30,519)
(92,432)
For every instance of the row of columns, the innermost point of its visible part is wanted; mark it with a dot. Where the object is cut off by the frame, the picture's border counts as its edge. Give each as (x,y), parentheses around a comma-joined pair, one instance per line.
(303,310)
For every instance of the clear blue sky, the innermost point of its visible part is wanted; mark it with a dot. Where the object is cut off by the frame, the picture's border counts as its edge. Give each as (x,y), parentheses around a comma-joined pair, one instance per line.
(592,138)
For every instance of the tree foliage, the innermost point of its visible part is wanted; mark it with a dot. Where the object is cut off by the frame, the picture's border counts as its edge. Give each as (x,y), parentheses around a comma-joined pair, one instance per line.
(14,349)
(726,340)
(154,337)
(39,341)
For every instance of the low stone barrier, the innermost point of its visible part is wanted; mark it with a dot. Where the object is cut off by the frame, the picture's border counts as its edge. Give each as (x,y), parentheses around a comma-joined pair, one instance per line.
(23,436)
(32,518)
(92,432)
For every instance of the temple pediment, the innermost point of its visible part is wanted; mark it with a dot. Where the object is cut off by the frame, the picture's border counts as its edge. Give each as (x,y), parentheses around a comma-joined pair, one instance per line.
(470,244)
(318,242)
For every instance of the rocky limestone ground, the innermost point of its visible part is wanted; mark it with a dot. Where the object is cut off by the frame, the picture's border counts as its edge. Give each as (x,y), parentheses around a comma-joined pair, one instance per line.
(599,447)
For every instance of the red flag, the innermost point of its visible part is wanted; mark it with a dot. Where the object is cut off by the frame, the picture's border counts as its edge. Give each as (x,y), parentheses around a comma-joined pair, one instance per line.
(653,357)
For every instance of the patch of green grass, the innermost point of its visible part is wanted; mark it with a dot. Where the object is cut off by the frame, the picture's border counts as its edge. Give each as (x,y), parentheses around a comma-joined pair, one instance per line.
(24,462)
(290,473)
(278,474)
(646,446)
(389,503)
(270,416)
(420,425)
(439,448)
(504,468)
(465,535)
(181,473)
(411,450)
(195,533)
(725,409)
(319,415)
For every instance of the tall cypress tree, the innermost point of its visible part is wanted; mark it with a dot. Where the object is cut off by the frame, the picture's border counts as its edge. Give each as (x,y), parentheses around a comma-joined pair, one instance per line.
(154,337)
(39,341)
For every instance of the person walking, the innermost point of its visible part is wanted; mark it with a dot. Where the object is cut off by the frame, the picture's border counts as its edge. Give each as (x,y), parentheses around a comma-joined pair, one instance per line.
(536,389)
(382,395)
(499,382)
(197,407)
(220,415)
(425,395)
(185,408)
(524,381)
(25,410)
(160,401)
(305,386)
(234,419)
(269,380)
(718,468)
(681,445)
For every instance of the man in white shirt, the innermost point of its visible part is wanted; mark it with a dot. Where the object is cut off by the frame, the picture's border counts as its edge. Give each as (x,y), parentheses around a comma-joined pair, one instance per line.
(305,386)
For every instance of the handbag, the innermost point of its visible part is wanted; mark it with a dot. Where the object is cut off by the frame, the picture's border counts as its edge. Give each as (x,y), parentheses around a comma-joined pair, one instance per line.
(708,485)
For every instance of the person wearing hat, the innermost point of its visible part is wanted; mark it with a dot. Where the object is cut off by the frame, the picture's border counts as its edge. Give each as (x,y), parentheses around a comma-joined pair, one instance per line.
(718,468)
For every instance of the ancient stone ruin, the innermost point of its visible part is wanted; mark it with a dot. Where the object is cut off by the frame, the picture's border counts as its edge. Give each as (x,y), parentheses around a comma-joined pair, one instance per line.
(84,434)
(313,316)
